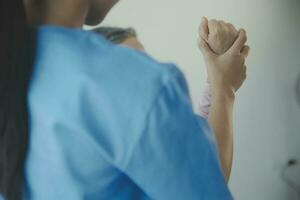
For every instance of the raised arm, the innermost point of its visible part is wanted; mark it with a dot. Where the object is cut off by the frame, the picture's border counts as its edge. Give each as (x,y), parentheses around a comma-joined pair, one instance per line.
(225,52)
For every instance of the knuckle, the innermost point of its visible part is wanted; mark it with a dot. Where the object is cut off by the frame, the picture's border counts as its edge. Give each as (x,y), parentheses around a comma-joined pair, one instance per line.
(222,23)
(230,25)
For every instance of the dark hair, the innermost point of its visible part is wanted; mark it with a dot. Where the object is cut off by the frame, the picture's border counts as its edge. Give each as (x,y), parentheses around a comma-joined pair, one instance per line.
(114,34)
(17,52)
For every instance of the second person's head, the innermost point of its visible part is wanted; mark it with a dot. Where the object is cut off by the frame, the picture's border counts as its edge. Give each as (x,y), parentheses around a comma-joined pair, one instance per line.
(123,36)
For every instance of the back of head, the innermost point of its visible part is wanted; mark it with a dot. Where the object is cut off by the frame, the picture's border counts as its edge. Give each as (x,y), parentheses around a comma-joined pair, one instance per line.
(115,34)
(17,55)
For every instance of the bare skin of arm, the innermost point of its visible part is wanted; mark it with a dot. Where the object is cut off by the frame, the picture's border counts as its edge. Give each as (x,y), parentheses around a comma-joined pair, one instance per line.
(225,53)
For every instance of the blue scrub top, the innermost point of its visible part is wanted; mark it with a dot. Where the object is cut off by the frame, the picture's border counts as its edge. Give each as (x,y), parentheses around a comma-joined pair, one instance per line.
(111,123)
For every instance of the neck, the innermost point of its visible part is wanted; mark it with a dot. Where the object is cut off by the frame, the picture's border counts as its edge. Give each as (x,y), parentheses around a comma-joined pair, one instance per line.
(66,13)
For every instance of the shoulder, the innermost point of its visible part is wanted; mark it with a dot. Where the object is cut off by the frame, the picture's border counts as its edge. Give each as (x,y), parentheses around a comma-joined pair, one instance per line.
(71,59)
(97,59)
(84,50)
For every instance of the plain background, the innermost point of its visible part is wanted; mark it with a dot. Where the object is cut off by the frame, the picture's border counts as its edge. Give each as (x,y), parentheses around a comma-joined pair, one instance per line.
(267,117)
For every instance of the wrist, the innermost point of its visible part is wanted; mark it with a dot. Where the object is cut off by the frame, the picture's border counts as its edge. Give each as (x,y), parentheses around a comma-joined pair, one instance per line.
(223,92)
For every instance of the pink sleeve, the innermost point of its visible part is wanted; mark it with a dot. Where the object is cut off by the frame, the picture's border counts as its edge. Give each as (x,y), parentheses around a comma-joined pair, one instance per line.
(205,102)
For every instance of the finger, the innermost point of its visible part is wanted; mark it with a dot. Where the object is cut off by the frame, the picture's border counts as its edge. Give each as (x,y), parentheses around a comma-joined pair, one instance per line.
(245,51)
(239,42)
(204,31)
(205,49)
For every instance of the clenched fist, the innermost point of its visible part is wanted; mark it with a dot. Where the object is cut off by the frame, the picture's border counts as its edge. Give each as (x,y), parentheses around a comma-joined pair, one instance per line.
(218,34)
(225,52)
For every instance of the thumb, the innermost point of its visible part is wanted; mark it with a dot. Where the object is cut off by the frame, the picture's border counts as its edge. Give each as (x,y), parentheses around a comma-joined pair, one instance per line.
(205,49)
(203,29)
(240,42)
(245,51)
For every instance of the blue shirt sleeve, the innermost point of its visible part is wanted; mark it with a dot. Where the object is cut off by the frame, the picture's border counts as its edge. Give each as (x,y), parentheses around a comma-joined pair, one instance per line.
(175,157)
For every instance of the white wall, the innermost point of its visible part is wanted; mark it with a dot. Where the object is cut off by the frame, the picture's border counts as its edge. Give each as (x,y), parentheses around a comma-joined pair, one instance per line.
(267,118)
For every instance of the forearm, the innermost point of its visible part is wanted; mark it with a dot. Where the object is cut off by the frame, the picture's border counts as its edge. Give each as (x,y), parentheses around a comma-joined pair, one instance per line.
(220,119)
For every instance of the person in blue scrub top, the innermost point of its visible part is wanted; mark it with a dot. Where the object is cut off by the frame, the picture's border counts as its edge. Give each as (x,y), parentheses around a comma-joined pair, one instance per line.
(82,118)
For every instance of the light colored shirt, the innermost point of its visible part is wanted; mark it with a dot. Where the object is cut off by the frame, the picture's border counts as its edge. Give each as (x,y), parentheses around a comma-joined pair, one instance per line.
(111,123)
(205,101)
